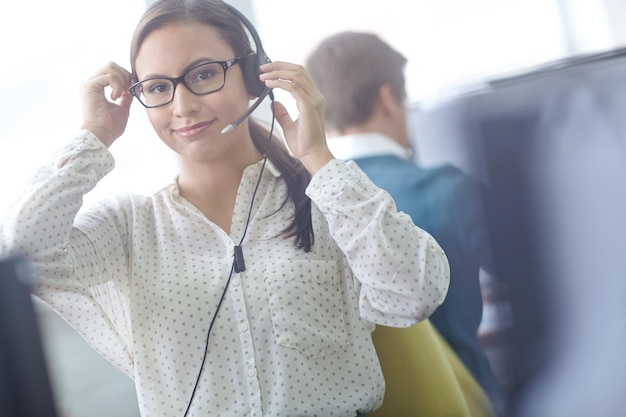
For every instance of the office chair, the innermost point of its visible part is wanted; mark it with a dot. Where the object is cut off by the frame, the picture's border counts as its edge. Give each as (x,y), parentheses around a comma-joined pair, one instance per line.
(424,376)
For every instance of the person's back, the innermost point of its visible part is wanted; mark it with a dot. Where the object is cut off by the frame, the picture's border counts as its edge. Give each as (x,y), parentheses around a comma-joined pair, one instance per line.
(445,203)
(362,80)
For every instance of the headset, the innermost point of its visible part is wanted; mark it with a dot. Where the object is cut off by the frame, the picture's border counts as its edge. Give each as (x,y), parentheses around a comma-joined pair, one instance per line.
(250,69)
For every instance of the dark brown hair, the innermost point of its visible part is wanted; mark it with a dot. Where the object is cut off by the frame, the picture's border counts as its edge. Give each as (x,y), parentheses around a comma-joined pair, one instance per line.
(217,14)
(349,68)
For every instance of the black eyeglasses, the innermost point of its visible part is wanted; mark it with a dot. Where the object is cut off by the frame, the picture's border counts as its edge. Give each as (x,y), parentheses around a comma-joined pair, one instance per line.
(201,79)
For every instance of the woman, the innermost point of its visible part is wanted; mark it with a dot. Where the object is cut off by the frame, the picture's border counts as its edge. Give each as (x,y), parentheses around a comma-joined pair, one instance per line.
(251,284)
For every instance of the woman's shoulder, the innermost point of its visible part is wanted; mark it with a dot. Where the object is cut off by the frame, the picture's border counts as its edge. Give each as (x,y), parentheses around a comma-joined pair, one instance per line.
(131,202)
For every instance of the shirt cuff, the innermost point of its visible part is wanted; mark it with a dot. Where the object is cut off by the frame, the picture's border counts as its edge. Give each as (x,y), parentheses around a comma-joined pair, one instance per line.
(86,149)
(331,177)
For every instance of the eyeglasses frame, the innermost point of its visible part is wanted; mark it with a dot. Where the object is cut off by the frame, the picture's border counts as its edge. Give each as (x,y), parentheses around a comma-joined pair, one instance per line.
(181,80)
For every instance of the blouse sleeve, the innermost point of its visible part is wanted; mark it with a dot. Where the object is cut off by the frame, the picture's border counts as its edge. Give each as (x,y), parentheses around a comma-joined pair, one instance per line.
(83,277)
(402,271)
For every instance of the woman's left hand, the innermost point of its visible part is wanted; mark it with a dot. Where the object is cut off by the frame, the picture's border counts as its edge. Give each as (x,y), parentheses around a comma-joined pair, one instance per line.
(306,136)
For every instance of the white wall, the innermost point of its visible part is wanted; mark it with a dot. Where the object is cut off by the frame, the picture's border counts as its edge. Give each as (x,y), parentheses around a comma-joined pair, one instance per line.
(45,56)
(451,44)
(447,42)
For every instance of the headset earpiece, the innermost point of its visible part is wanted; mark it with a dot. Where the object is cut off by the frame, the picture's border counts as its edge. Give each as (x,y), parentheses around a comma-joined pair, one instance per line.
(250,68)
(250,64)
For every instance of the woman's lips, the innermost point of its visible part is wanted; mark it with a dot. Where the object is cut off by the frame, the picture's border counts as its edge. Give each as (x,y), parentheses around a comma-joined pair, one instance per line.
(194,130)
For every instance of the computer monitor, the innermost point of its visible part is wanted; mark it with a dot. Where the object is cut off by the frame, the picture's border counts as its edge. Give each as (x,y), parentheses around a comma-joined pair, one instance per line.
(550,145)
(25,384)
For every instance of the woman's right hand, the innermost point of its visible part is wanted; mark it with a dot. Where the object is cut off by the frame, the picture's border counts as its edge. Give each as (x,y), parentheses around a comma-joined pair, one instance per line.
(103,116)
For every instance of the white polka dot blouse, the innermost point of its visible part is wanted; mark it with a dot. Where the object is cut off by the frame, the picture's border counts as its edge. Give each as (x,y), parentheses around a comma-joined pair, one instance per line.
(142,278)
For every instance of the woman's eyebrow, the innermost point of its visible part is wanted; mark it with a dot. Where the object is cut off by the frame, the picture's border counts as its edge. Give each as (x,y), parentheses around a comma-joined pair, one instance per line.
(204,60)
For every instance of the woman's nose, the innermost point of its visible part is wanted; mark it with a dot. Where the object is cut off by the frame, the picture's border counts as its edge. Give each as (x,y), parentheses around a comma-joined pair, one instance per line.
(185,102)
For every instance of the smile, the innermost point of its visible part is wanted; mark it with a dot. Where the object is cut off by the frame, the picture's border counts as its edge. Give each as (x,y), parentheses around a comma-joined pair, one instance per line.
(192,131)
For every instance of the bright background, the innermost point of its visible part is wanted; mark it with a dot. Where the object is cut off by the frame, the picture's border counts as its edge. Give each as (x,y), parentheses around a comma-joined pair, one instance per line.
(48,48)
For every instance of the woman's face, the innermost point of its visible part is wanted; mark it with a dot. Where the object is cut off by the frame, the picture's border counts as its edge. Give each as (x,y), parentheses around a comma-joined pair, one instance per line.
(191,125)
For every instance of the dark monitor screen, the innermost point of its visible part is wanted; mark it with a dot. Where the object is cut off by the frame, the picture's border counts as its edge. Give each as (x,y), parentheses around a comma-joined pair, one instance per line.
(25,387)
(550,145)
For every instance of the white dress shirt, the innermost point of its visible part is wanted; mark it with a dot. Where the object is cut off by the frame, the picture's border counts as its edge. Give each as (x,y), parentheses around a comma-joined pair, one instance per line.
(363,145)
(141,277)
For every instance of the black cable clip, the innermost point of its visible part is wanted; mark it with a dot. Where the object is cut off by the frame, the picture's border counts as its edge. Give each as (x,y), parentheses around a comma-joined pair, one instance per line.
(240,265)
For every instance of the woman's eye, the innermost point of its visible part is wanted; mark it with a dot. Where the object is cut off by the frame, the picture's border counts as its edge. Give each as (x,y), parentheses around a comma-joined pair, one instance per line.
(157,88)
(203,75)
